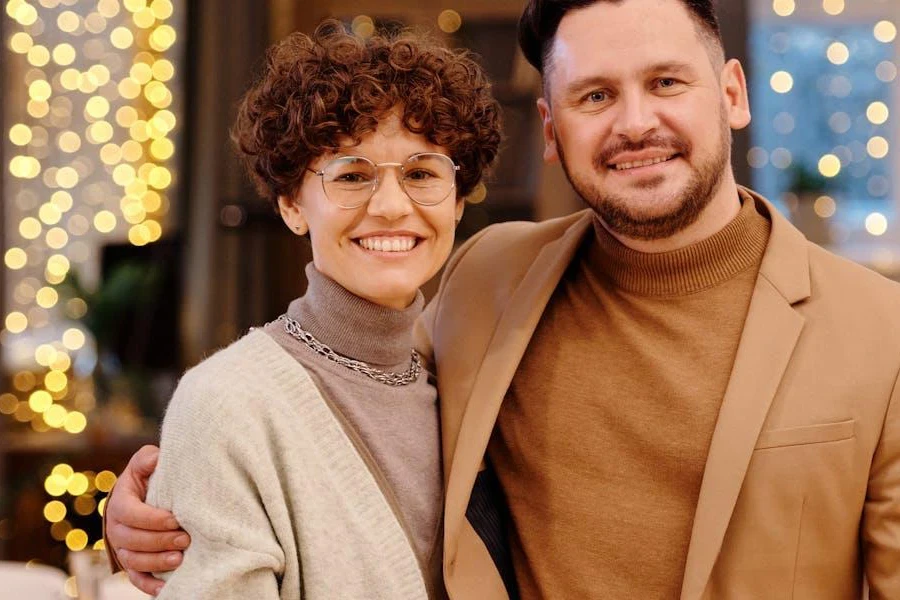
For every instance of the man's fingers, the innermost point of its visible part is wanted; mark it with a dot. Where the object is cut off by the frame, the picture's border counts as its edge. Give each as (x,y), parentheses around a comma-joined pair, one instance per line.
(142,540)
(127,509)
(144,582)
(143,462)
(146,562)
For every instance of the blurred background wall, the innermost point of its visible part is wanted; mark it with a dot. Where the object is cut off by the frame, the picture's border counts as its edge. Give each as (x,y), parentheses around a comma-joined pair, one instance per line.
(133,245)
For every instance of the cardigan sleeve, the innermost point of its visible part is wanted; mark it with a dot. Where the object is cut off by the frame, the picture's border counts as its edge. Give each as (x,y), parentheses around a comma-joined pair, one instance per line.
(211,469)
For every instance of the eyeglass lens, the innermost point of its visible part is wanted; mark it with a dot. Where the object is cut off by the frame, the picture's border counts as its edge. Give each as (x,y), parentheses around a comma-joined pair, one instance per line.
(427,178)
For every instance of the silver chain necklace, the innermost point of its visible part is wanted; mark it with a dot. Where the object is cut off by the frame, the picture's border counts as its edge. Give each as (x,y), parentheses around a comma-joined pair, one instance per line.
(293,328)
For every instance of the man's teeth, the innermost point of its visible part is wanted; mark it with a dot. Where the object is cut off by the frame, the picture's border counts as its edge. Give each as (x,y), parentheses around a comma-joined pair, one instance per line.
(388,244)
(641,163)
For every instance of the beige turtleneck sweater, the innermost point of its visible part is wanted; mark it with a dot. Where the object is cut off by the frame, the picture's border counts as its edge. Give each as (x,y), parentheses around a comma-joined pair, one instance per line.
(601,442)
(397,426)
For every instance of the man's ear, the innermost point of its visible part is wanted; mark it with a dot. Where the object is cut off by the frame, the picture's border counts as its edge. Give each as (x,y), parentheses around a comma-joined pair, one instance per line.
(551,154)
(292,215)
(734,92)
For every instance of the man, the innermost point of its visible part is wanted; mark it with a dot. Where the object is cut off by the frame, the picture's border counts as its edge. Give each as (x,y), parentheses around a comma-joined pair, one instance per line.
(671,394)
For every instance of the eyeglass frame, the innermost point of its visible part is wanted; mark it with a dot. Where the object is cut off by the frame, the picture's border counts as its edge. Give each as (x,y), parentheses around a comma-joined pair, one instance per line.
(321,175)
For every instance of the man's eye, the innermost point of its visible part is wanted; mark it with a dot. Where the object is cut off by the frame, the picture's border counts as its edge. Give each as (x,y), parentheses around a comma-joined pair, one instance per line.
(596,97)
(666,82)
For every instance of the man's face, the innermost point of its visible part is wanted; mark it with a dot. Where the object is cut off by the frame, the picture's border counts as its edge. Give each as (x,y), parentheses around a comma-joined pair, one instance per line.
(639,113)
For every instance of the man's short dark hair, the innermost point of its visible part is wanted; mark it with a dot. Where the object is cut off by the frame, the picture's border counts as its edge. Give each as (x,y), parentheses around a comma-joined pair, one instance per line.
(541,18)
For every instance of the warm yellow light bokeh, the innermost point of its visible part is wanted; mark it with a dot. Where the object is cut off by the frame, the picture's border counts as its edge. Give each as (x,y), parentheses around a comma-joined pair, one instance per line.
(75,422)
(30,228)
(105,481)
(47,297)
(163,70)
(54,511)
(55,381)
(104,221)
(40,401)
(76,540)
(64,54)
(40,90)
(38,56)
(62,200)
(68,21)
(97,107)
(67,178)
(885,32)
(49,213)
(121,38)
(833,7)
(57,238)
(16,322)
(20,134)
(15,258)
(449,21)
(783,8)
(876,224)
(162,9)
(162,38)
(829,165)
(878,147)
(838,53)
(20,42)
(69,141)
(55,484)
(111,154)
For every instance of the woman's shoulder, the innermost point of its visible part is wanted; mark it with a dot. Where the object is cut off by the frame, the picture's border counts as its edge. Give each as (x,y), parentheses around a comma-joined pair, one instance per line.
(253,371)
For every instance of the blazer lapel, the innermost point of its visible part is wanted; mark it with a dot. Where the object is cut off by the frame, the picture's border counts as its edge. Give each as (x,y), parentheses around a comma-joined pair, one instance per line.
(770,334)
(506,348)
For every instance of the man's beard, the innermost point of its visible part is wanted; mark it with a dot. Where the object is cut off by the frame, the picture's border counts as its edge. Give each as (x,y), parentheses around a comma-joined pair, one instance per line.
(623,218)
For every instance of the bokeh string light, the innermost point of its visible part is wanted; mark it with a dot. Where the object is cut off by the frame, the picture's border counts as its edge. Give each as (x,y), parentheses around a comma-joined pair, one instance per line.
(824,120)
(92,144)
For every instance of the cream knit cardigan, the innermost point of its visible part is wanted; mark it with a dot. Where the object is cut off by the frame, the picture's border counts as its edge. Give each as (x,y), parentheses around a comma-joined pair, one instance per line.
(278,502)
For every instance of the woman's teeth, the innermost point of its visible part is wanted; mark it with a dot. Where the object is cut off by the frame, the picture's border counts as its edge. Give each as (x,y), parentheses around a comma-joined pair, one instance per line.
(388,244)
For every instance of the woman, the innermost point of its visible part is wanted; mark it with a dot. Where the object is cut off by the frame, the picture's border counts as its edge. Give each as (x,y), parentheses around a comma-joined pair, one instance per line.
(304,458)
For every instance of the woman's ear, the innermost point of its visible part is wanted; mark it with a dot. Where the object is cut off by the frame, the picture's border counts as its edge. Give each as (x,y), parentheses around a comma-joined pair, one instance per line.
(460,207)
(292,215)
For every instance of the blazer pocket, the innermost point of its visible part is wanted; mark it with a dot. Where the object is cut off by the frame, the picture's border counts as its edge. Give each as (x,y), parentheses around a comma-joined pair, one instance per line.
(806,434)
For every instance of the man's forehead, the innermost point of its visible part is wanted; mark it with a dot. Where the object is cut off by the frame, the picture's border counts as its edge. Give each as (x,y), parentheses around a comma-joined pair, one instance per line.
(610,39)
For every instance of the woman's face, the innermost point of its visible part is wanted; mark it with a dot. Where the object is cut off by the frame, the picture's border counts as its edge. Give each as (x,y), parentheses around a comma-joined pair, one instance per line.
(414,241)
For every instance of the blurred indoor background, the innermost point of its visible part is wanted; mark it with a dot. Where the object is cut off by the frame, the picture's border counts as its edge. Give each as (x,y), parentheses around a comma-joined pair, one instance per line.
(130,236)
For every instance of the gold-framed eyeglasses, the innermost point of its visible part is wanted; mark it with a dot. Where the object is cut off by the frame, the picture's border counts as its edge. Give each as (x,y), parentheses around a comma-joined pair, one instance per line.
(428,178)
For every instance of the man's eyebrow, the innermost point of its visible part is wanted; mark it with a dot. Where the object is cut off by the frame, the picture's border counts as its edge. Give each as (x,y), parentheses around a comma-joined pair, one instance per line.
(669,67)
(597,81)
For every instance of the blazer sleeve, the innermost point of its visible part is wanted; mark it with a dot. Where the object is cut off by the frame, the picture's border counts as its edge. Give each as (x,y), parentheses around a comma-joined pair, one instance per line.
(210,475)
(881,515)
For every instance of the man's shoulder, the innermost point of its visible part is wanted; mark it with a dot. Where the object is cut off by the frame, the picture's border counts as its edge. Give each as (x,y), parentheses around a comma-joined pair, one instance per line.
(513,245)
(852,284)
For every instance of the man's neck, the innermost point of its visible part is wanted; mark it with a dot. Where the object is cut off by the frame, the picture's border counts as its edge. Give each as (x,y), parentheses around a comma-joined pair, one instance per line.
(720,211)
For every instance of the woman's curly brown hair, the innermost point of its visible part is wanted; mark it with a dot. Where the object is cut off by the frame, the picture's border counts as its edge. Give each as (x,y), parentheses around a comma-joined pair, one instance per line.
(315,92)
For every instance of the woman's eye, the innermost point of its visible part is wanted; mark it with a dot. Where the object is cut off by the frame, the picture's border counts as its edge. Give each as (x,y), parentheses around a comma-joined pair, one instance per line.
(352,178)
(418,175)
(597,96)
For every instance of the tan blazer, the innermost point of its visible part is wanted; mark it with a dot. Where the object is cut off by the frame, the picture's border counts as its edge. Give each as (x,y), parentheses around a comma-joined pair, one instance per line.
(801,491)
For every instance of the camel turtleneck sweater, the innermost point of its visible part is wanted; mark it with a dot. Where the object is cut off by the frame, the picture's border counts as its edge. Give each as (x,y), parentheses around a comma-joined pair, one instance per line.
(601,442)
(398,426)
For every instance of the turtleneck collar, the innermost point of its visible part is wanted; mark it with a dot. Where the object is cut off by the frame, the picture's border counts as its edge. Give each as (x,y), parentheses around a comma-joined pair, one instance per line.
(353,326)
(702,265)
